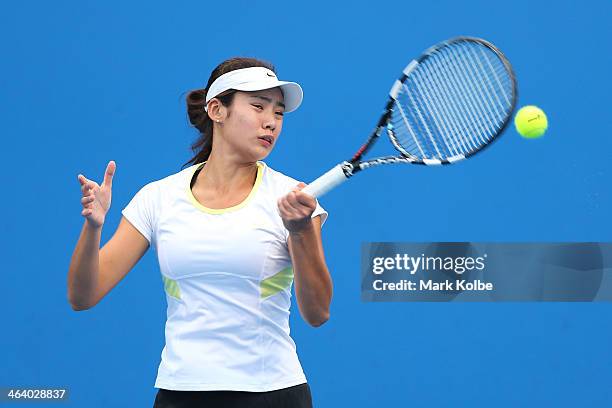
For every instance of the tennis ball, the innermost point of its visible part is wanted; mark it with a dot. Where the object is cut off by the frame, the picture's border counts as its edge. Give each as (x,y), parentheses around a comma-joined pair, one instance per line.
(531,122)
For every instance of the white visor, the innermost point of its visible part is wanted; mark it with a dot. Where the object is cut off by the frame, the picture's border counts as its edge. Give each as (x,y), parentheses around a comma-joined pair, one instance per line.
(256,79)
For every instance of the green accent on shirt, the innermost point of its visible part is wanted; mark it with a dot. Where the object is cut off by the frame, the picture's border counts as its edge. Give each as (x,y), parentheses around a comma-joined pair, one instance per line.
(171,287)
(277,282)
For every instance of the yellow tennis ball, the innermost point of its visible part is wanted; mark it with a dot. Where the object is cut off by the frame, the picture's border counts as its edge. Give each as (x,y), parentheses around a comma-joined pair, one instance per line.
(531,122)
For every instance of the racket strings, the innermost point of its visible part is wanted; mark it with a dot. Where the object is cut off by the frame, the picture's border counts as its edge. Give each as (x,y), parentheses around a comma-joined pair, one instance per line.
(473,130)
(453,103)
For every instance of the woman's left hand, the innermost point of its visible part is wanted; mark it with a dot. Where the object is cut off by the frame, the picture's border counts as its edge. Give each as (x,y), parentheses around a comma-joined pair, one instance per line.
(296,208)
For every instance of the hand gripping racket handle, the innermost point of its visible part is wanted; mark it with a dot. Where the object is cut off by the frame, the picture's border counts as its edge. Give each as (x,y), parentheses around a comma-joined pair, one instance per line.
(326,182)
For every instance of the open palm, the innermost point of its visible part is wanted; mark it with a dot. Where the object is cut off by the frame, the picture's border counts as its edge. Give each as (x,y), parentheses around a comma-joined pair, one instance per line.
(96,199)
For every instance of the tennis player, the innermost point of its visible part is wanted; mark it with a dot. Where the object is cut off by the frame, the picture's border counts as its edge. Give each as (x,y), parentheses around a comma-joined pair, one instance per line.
(232,235)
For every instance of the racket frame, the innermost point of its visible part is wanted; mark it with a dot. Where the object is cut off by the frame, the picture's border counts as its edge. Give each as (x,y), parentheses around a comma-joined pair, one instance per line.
(347,169)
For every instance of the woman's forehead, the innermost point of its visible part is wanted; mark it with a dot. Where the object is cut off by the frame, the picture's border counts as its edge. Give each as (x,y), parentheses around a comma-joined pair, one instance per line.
(272,93)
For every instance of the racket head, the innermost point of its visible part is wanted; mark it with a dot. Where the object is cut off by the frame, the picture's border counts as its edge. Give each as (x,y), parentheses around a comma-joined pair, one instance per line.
(453,101)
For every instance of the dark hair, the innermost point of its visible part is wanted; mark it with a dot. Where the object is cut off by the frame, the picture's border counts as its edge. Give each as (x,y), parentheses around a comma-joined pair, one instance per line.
(196,101)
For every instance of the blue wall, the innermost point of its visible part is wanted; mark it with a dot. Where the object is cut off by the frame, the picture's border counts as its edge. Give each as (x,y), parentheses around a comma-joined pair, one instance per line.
(87,82)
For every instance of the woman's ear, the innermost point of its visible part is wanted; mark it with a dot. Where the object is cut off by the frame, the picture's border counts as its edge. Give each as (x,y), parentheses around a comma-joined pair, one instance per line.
(216,111)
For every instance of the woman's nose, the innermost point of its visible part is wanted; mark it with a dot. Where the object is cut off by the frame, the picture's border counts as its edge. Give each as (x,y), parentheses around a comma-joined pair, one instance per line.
(270,122)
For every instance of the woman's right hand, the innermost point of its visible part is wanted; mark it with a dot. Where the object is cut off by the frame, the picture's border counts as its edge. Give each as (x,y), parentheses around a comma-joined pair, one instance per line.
(96,198)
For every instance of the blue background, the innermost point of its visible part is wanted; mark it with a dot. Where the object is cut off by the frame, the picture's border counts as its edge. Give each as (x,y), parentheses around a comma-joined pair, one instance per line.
(87,82)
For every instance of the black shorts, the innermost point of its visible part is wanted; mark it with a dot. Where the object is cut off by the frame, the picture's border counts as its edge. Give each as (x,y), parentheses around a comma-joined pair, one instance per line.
(297,396)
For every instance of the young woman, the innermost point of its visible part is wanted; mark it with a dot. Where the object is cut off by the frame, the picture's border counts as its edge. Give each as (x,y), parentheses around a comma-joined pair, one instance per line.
(231,235)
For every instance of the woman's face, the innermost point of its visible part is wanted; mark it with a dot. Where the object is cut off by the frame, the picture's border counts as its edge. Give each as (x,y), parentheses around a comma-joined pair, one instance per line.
(254,122)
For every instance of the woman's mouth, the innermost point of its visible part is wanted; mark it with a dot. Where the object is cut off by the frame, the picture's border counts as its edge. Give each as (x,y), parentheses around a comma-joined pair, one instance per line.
(266,140)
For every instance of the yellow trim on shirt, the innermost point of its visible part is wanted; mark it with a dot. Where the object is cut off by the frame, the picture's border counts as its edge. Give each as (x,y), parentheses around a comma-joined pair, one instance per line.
(196,203)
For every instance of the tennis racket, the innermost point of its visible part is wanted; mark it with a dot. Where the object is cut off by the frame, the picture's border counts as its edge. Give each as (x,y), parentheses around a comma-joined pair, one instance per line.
(448,104)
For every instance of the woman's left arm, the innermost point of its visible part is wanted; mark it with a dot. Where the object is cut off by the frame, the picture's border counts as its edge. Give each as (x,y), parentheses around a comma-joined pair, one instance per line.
(313,285)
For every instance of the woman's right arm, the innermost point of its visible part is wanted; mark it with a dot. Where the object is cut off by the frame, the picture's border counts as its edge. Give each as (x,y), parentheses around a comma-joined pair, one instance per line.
(94,272)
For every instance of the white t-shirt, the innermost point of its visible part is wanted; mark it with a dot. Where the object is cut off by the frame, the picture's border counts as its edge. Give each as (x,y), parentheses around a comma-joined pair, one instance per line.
(227,276)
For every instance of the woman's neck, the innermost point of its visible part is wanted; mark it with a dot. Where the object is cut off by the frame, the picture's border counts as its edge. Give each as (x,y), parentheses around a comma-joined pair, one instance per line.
(223,175)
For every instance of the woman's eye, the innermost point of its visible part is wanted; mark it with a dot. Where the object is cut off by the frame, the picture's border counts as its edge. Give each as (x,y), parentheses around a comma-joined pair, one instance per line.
(280,113)
(258,106)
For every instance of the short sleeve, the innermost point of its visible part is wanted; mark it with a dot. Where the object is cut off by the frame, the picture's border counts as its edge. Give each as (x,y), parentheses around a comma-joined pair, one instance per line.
(141,210)
(320,211)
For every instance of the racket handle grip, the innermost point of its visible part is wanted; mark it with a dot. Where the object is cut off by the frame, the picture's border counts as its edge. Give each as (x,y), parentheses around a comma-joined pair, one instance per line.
(326,182)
